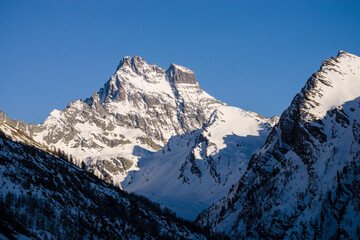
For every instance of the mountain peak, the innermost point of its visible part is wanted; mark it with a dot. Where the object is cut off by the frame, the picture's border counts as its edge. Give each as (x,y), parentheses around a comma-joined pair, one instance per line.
(341,52)
(179,74)
(136,64)
(129,61)
(335,83)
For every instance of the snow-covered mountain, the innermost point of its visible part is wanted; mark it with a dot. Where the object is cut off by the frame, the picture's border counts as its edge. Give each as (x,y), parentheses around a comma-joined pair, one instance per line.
(141,105)
(45,197)
(134,116)
(194,170)
(304,182)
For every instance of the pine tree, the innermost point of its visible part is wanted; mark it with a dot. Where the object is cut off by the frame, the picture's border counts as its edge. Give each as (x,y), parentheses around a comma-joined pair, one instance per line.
(83,165)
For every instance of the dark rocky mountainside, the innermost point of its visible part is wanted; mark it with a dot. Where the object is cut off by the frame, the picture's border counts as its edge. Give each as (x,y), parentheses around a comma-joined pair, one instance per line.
(45,197)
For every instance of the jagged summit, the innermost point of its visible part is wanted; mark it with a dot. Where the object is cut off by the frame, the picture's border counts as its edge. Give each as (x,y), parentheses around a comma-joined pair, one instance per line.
(137,65)
(176,74)
(131,60)
(136,77)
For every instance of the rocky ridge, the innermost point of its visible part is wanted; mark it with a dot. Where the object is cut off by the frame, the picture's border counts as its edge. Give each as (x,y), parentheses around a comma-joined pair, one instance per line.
(303,183)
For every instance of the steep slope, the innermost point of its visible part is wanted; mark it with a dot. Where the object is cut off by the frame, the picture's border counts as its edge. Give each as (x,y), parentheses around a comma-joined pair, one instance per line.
(141,105)
(194,170)
(45,197)
(17,135)
(304,183)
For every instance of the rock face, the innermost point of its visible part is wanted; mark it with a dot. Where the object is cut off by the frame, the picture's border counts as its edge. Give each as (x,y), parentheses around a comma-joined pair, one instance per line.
(45,197)
(304,182)
(178,74)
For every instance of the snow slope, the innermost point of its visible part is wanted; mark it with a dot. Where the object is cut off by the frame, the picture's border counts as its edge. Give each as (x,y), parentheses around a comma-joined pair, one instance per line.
(194,170)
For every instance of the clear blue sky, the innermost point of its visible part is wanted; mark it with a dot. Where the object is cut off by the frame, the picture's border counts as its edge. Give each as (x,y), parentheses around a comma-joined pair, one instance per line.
(255,55)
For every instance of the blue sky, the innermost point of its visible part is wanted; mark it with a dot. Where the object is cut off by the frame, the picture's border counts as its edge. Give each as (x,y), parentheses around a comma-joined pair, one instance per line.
(255,55)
